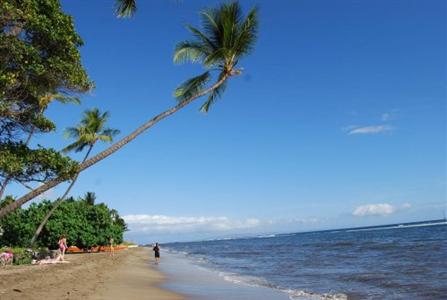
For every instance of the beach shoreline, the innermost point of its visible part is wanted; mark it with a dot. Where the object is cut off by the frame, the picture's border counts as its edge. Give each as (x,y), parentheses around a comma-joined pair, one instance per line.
(201,283)
(128,275)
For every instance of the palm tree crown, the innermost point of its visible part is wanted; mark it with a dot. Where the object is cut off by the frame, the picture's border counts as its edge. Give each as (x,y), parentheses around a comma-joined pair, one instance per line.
(90,198)
(226,36)
(90,130)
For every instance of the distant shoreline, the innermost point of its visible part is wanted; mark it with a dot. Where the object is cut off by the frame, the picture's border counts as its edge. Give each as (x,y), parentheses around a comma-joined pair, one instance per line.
(394,225)
(435,222)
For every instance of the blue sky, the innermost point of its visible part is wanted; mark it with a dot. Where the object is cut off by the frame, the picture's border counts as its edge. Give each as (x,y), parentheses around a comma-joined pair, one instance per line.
(338,120)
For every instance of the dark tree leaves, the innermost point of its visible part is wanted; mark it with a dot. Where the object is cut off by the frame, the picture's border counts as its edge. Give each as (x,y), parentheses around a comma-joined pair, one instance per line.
(23,164)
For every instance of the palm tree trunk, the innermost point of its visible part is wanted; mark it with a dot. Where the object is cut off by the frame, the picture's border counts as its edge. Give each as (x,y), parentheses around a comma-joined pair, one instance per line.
(115,147)
(57,203)
(9,177)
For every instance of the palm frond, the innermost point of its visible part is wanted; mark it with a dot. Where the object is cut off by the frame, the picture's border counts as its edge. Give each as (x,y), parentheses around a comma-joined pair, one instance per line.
(191,87)
(89,137)
(72,132)
(215,58)
(107,134)
(189,51)
(65,99)
(111,132)
(104,138)
(230,16)
(105,116)
(125,8)
(45,100)
(207,43)
(247,33)
(210,24)
(76,146)
(215,94)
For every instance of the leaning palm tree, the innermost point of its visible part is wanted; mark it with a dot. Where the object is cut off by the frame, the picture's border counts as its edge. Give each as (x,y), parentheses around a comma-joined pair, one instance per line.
(225,38)
(91,130)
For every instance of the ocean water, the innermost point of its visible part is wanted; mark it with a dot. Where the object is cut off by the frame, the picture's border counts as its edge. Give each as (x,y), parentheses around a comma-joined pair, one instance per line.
(394,262)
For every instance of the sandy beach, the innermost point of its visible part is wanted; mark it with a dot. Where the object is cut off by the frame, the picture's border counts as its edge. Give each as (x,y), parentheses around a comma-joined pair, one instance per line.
(88,276)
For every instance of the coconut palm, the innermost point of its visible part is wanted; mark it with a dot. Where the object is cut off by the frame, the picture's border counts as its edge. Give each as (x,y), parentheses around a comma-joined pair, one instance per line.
(90,198)
(90,130)
(225,38)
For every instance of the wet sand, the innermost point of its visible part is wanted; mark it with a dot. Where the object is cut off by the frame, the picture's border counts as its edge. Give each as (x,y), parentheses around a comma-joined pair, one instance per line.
(199,283)
(88,276)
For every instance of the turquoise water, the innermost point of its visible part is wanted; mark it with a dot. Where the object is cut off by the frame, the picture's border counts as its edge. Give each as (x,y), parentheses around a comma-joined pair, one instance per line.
(394,262)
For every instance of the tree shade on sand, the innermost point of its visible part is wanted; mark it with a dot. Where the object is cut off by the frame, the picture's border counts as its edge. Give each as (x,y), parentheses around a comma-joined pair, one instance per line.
(225,38)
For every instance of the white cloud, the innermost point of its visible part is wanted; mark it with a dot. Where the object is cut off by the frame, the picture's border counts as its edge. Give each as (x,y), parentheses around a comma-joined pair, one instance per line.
(381,209)
(168,224)
(369,129)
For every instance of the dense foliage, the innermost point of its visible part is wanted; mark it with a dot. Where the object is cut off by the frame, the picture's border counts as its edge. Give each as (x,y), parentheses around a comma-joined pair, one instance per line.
(39,57)
(39,62)
(25,165)
(85,225)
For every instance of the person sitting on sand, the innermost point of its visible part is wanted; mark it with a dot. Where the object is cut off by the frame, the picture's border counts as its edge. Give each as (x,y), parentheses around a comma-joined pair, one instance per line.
(157,253)
(112,251)
(6,257)
(58,259)
(62,246)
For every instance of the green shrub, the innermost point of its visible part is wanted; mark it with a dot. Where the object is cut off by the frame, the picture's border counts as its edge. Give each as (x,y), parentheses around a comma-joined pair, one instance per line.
(83,224)
(21,256)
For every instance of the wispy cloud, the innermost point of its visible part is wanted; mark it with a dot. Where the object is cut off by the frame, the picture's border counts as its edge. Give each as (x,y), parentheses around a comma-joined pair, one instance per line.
(374,129)
(406,205)
(309,220)
(161,224)
(380,209)
(385,117)
(389,115)
(169,224)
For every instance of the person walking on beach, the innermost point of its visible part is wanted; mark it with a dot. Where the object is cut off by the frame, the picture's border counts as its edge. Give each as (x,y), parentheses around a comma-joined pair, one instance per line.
(112,251)
(157,253)
(62,246)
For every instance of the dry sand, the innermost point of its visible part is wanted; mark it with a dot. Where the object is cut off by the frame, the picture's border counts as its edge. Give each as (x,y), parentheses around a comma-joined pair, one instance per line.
(88,276)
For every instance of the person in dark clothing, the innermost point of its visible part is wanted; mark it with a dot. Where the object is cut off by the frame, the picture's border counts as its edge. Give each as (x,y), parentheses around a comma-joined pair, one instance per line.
(157,253)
